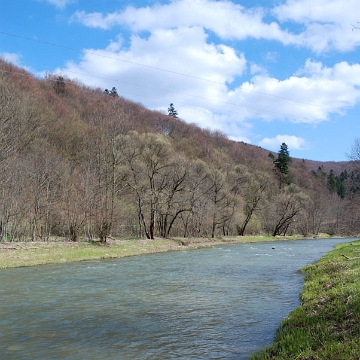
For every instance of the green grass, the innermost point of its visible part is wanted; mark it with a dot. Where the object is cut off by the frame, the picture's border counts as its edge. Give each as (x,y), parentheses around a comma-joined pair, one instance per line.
(327,323)
(40,253)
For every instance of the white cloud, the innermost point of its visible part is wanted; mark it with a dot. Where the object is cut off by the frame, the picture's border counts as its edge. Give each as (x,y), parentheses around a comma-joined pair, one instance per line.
(95,20)
(257,69)
(307,11)
(310,96)
(293,142)
(318,91)
(13,58)
(327,23)
(224,18)
(151,69)
(186,49)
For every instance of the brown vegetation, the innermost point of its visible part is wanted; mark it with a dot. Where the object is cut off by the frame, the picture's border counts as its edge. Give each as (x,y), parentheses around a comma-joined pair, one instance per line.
(76,162)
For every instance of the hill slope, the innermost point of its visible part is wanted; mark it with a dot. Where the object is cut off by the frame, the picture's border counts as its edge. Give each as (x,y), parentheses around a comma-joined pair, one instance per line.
(78,162)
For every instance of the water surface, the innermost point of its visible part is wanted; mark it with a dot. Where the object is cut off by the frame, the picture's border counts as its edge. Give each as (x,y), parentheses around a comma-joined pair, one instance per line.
(220,303)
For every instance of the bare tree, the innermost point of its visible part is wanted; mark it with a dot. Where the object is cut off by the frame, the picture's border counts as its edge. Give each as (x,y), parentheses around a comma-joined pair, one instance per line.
(283,207)
(253,193)
(16,120)
(43,174)
(148,159)
(104,161)
(174,199)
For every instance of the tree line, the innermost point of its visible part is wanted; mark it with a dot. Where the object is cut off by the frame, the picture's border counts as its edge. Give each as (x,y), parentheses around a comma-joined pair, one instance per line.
(77,163)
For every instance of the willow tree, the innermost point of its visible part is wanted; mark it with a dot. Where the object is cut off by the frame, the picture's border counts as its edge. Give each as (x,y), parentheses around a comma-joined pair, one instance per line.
(220,192)
(283,207)
(254,192)
(147,159)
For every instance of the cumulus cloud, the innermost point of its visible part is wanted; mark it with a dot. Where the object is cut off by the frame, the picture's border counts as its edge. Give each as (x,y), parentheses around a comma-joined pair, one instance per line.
(224,18)
(175,66)
(188,57)
(293,142)
(145,65)
(327,23)
(310,96)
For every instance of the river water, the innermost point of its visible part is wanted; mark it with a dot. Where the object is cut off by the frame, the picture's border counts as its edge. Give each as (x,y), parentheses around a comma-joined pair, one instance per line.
(217,303)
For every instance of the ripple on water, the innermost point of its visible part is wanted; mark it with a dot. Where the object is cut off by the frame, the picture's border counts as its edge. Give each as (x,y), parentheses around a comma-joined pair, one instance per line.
(218,303)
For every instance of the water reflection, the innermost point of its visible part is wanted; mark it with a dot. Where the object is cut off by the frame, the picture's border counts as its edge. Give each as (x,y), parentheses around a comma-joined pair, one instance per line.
(220,303)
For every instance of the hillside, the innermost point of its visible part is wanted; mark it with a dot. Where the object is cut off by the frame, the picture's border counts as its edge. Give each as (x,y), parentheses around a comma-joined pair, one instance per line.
(79,162)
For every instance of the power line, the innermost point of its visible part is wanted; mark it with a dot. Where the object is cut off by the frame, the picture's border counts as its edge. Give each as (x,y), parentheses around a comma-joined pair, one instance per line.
(144,96)
(157,68)
(107,57)
(175,92)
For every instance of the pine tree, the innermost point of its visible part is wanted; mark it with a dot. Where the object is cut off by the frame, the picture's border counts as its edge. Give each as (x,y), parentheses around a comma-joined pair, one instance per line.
(282,164)
(59,85)
(172,111)
(112,92)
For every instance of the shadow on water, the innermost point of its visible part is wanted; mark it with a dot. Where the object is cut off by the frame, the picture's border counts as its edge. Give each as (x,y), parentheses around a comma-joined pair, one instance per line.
(219,303)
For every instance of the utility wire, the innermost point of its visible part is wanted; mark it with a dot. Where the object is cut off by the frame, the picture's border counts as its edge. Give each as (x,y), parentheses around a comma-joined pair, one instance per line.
(157,68)
(176,92)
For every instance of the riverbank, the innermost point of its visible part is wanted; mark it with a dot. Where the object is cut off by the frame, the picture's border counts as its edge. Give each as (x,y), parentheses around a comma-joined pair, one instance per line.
(327,323)
(18,254)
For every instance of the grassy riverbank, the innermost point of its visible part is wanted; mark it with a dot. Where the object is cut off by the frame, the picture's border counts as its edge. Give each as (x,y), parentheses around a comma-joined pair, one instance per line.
(327,323)
(16,254)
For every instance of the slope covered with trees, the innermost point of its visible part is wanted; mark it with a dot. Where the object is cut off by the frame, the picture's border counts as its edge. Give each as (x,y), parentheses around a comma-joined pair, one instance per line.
(82,162)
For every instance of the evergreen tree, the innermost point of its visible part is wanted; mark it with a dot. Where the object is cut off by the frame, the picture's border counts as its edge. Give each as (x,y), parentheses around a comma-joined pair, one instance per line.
(59,85)
(112,92)
(172,111)
(332,181)
(282,164)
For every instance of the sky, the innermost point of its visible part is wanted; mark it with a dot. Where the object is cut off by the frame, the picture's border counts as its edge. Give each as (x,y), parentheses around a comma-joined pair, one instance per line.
(262,72)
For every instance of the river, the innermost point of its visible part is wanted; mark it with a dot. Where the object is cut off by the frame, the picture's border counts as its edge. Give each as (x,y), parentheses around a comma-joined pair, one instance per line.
(216,303)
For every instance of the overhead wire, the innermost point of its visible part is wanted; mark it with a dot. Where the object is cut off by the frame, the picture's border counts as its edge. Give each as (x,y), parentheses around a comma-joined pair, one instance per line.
(171,72)
(142,95)
(174,92)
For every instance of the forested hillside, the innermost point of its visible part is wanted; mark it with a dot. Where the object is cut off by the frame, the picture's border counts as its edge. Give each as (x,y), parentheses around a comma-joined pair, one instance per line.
(79,162)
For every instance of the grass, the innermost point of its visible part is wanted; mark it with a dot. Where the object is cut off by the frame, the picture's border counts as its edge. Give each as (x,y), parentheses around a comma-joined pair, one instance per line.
(14,254)
(327,323)
(41,253)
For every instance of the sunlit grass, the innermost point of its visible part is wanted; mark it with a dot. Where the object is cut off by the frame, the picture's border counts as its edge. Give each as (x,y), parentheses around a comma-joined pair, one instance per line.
(29,254)
(327,323)
(59,251)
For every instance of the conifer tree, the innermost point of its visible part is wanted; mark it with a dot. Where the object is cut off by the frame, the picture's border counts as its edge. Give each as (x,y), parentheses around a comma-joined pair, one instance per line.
(172,111)
(282,164)
(113,92)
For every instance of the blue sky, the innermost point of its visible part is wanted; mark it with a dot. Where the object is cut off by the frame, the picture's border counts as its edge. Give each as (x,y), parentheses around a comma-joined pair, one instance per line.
(262,72)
